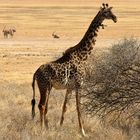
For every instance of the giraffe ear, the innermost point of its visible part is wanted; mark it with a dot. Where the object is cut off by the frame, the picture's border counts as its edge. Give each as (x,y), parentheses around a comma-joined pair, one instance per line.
(110,8)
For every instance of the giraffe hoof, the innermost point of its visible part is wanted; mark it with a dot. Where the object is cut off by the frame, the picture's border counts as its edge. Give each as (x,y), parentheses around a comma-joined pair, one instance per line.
(83,133)
(46,124)
(61,122)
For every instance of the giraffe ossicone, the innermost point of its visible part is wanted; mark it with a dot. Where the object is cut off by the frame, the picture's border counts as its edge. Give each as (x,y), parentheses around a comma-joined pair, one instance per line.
(68,71)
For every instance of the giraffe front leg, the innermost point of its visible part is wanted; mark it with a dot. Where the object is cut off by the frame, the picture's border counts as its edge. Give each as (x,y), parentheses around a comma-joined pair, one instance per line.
(79,113)
(64,109)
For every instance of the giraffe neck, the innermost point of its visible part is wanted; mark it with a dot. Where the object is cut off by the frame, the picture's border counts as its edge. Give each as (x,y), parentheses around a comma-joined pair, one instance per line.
(89,39)
(82,50)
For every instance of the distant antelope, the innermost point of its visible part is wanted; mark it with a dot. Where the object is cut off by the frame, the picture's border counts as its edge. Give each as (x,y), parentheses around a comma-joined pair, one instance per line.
(7,32)
(55,36)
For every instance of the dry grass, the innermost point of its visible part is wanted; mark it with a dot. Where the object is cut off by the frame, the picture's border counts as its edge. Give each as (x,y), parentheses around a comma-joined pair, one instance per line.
(33,45)
(16,122)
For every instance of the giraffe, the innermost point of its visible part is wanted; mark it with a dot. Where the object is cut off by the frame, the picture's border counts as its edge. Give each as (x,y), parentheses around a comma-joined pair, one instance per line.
(68,72)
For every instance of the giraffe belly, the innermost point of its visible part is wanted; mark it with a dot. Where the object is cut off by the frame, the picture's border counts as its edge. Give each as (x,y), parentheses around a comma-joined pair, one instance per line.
(58,85)
(63,84)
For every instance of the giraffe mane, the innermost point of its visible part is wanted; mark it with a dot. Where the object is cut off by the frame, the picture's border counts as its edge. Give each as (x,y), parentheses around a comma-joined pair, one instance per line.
(71,49)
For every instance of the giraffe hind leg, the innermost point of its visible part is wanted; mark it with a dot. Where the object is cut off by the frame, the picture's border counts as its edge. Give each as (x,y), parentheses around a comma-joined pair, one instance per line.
(46,109)
(42,103)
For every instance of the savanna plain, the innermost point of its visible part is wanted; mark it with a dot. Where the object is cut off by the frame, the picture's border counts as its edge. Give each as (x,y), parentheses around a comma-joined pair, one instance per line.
(33,45)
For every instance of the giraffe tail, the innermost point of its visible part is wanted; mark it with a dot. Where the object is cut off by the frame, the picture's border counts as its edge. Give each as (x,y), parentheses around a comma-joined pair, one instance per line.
(33,100)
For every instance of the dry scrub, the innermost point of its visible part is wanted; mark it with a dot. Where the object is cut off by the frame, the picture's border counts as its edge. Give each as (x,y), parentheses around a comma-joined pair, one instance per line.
(16,122)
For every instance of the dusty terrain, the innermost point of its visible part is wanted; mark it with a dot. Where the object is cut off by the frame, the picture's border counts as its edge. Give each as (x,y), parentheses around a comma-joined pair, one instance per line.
(33,45)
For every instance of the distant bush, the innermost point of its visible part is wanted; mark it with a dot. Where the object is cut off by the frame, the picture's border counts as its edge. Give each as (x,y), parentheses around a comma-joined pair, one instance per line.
(113,81)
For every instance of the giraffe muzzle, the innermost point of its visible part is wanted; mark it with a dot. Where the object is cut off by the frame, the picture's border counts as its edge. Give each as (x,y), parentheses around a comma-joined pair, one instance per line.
(114,18)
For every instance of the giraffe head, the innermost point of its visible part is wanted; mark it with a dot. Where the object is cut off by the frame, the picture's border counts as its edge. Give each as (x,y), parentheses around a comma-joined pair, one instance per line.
(107,13)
